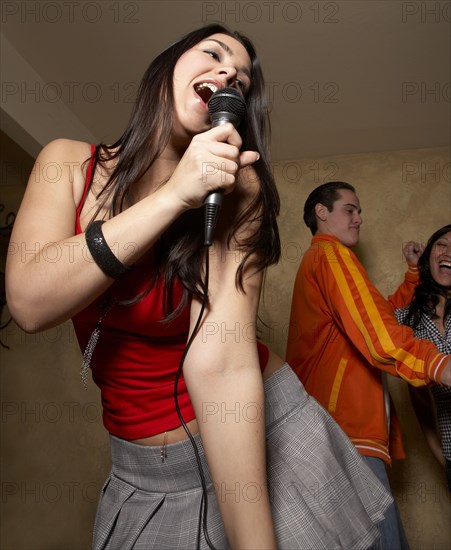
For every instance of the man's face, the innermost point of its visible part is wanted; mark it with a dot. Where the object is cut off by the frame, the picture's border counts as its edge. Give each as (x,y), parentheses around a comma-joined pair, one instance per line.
(344,221)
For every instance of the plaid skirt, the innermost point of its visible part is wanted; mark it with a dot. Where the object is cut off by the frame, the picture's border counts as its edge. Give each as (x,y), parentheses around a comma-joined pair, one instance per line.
(323,495)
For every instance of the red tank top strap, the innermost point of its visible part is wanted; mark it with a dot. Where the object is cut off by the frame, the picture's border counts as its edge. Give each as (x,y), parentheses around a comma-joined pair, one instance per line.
(89,175)
(263,354)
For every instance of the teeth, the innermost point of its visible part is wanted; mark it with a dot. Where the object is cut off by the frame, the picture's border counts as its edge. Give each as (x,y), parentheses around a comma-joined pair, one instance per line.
(205,90)
(204,85)
(445,264)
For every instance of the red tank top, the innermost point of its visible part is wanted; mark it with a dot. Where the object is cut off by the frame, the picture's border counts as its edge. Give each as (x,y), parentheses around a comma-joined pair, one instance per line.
(138,353)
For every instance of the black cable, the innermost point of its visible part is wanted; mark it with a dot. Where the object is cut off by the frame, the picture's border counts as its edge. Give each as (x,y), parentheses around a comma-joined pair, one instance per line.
(204,501)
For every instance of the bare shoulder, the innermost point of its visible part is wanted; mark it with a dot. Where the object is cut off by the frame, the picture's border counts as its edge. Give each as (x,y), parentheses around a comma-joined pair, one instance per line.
(62,157)
(63,162)
(66,148)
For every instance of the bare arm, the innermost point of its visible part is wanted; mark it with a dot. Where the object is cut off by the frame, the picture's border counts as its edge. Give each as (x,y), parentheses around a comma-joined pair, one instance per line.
(50,273)
(225,384)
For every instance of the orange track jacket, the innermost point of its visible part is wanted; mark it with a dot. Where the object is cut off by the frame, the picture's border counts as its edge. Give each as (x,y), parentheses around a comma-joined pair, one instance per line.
(343,333)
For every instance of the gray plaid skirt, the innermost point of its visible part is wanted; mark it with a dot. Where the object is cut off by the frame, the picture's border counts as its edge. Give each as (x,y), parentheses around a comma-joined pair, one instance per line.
(323,495)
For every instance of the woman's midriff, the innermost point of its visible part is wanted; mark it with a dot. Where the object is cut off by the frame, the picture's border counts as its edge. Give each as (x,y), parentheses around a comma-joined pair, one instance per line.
(178,434)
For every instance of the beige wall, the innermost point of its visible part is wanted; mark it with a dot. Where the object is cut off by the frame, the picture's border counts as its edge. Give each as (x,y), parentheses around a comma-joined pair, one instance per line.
(404,195)
(54,448)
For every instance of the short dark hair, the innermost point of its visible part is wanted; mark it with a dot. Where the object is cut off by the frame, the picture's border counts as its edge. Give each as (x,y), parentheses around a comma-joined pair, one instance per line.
(326,194)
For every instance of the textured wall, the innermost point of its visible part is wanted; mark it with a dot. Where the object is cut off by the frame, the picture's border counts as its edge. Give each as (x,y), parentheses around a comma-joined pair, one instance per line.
(54,448)
(404,195)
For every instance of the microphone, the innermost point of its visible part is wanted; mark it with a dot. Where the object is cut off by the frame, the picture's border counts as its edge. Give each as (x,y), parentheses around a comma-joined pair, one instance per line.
(225,105)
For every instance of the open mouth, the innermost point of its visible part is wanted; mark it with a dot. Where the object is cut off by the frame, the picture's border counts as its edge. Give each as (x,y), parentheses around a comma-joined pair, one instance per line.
(445,265)
(205,90)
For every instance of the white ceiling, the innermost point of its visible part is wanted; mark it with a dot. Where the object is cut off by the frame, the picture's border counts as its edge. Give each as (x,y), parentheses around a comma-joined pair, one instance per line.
(343,76)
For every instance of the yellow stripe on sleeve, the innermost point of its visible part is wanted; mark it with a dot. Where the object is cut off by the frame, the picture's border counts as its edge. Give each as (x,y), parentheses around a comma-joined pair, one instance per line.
(336,385)
(348,298)
(379,327)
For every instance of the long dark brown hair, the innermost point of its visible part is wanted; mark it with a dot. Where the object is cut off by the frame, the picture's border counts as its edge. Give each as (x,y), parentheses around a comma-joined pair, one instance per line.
(428,292)
(178,253)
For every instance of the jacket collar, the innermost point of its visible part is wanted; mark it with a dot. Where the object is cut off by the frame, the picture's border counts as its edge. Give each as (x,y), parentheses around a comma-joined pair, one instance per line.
(321,237)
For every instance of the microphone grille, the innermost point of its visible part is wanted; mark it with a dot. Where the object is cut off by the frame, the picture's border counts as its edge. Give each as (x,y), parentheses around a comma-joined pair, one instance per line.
(228,100)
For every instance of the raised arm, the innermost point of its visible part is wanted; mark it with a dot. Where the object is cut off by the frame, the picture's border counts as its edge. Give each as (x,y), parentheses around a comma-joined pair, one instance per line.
(403,295)
(50,272)
(365,316)
(225,384)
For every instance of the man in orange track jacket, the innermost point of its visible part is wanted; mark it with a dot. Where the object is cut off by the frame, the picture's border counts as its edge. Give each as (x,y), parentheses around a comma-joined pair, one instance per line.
(343,337)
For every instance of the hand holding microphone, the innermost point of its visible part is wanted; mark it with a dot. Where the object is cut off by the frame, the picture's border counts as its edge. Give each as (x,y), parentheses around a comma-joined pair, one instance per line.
(225,105)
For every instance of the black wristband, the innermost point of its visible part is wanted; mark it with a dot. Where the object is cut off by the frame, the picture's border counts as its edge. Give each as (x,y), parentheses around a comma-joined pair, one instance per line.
(102,253)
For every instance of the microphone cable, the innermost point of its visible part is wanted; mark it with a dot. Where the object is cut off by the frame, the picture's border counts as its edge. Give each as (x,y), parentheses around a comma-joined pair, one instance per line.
(204,500)
(226,105)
